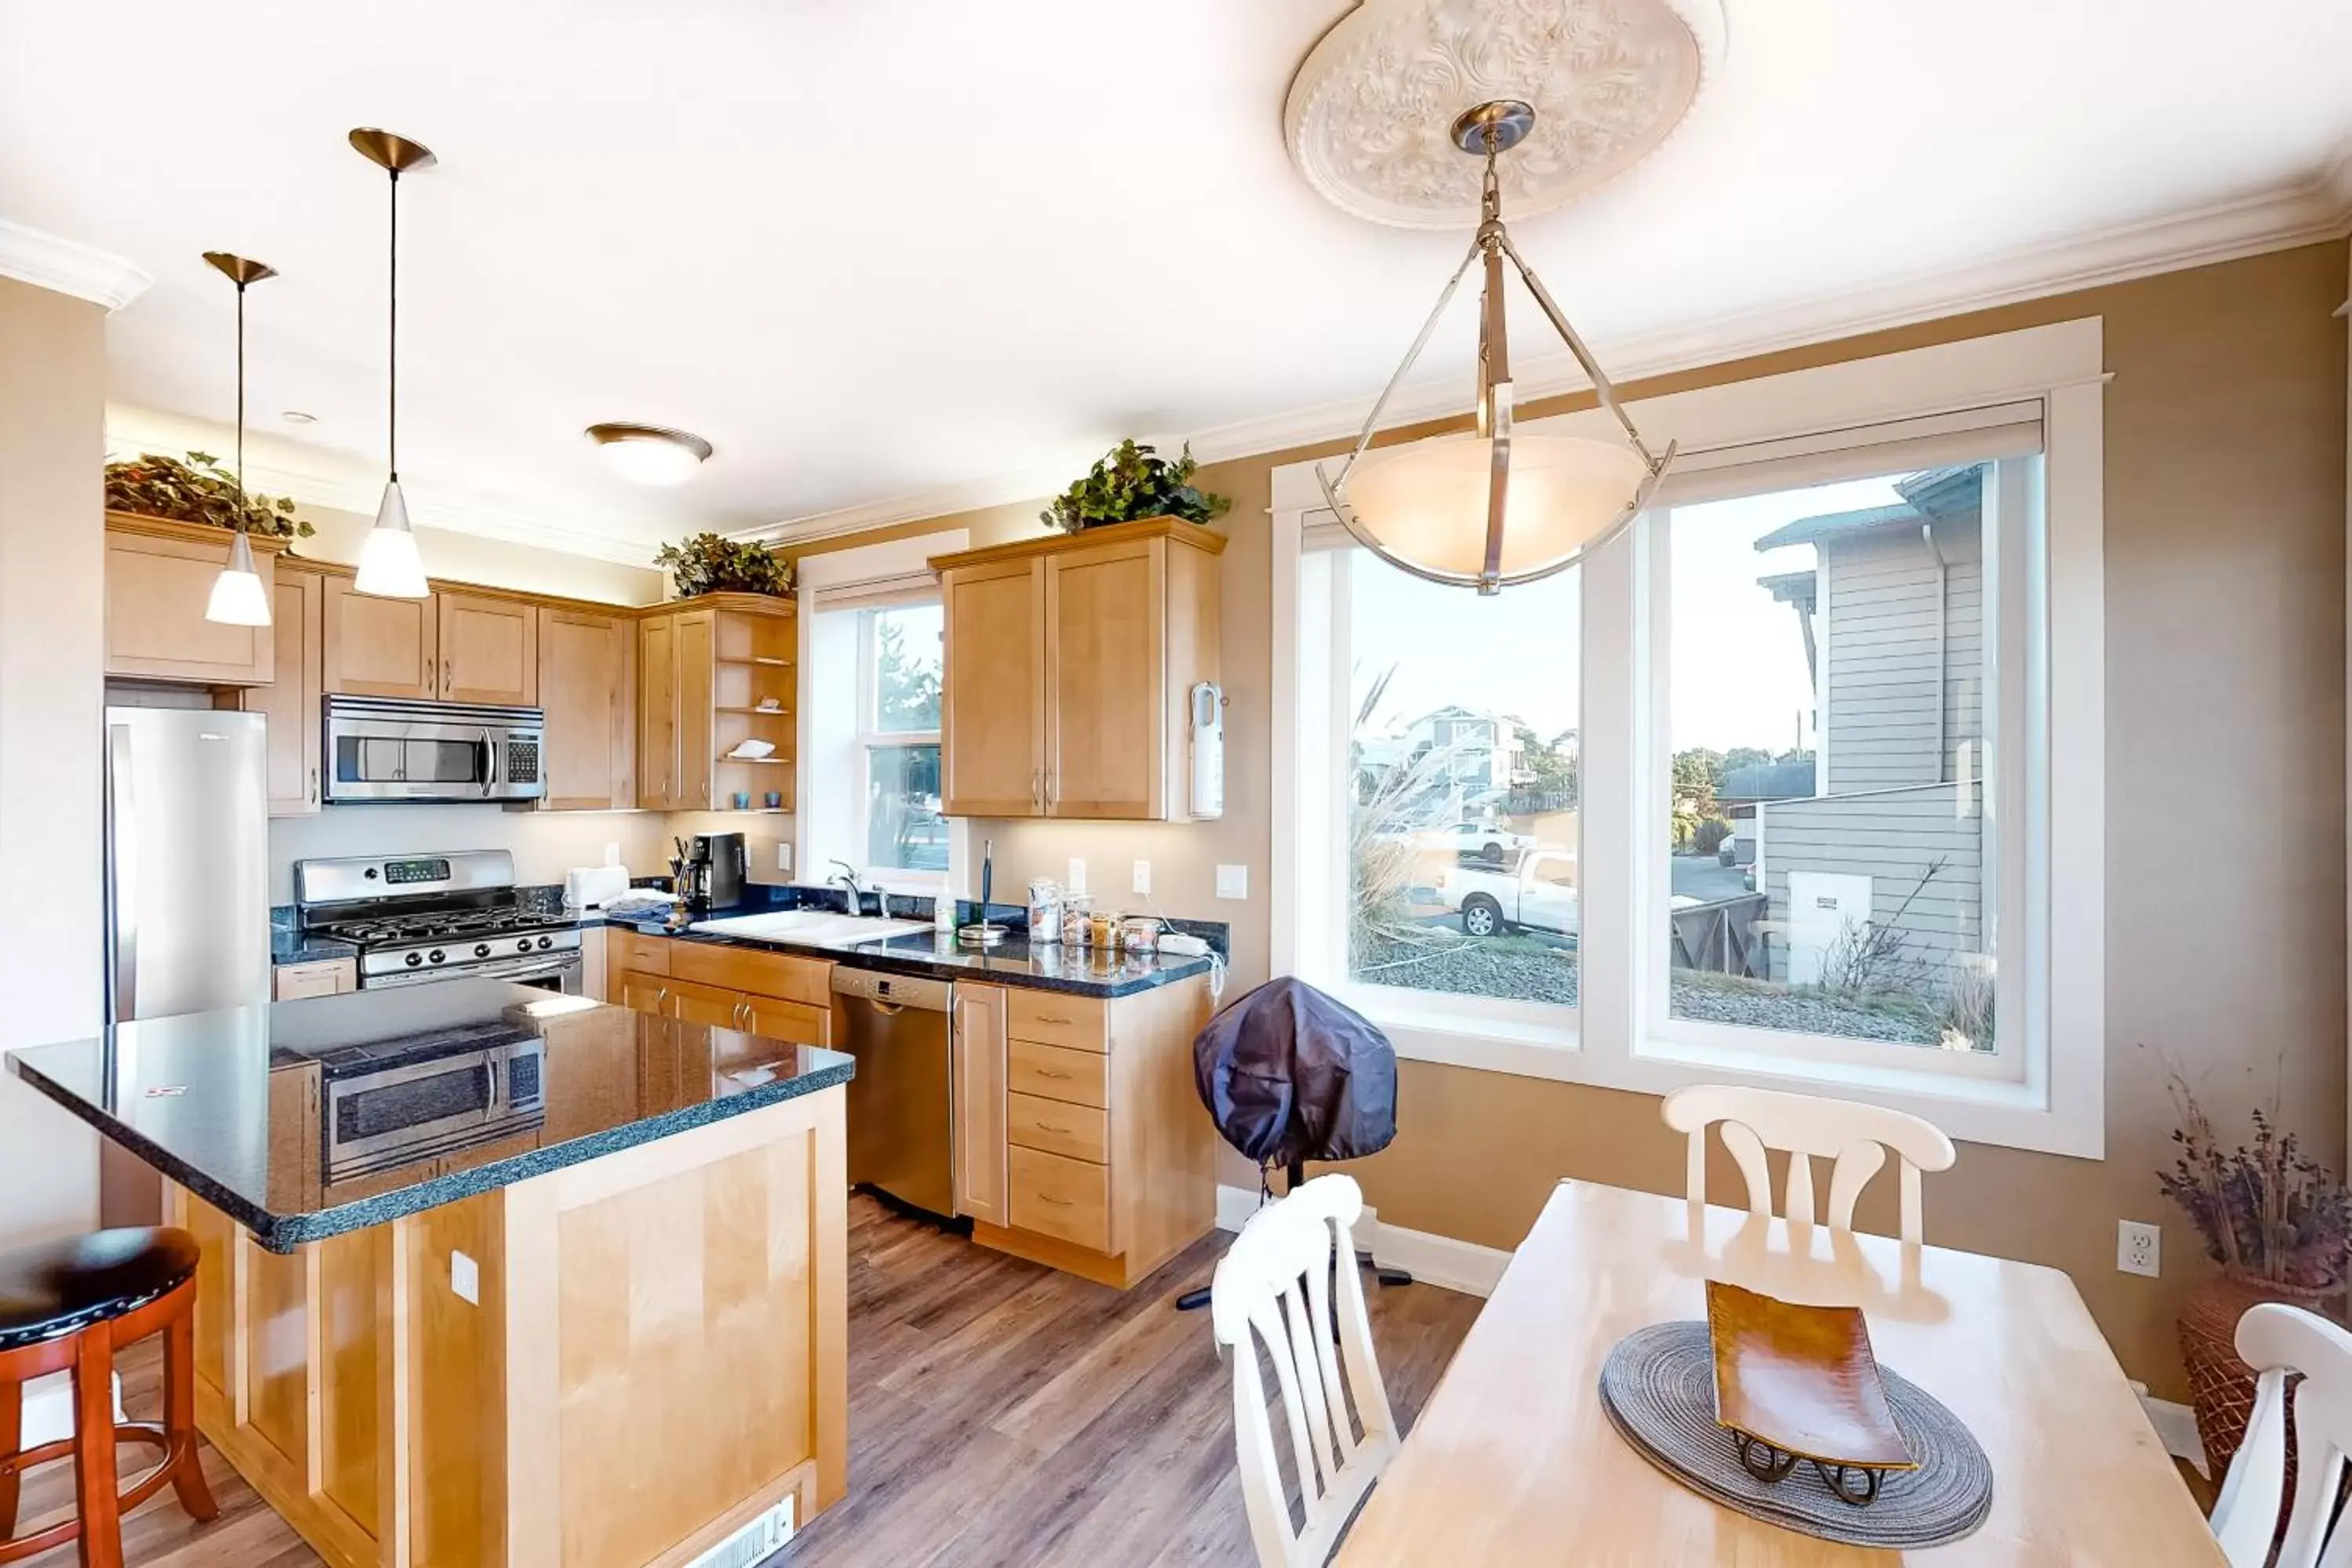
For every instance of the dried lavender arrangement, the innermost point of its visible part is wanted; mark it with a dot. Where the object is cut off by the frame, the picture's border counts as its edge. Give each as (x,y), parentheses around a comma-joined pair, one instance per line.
(2267,1210)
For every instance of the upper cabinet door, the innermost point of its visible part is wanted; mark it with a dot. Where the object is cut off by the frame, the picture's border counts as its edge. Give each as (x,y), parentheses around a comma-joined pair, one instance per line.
(657,780)
(290,703)
(991,714)
(697,633)
(1105,650)
(490,650)
(380,647)
(157,588)
(587,683)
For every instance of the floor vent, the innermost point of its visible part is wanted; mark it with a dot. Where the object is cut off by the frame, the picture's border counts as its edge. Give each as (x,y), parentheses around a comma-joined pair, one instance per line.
(769,1533)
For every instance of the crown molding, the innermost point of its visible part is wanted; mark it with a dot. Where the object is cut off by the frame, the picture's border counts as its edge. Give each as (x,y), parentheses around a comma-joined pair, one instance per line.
(320,476)
(2229,231)
(68,267)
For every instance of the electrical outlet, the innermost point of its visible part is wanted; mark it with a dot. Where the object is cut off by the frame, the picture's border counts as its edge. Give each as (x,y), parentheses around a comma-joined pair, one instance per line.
(1077,882)
(612,853)
(784,856)
(1233,882)
(465,1277)
(1143,877)
(2140,1249)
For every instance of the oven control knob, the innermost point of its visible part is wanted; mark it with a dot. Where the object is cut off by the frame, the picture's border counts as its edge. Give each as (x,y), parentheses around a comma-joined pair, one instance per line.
(481,950)
(545,942)
(437,955)
(523,946)
(414,959)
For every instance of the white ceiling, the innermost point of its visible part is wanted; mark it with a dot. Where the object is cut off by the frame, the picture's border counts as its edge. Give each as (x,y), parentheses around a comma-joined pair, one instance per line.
(873,250)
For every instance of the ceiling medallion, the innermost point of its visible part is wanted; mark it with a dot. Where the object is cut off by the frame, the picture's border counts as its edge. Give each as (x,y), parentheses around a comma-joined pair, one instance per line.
(1369,113)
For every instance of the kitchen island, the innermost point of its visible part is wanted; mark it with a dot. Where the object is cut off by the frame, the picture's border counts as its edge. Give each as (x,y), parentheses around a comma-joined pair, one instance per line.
(495,1278)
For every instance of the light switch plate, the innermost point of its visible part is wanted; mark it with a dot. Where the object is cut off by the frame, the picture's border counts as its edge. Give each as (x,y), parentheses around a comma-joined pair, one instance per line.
(1233,882)
(1143,877)
(1077,882)
(784,856)
(612,853)
(2140,1247)
(464,1277)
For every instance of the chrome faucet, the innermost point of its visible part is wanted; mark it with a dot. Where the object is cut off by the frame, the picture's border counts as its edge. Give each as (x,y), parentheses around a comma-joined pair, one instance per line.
(847,878)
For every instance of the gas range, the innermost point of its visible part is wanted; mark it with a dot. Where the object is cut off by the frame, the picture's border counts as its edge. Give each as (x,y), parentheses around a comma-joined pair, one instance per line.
(419,918)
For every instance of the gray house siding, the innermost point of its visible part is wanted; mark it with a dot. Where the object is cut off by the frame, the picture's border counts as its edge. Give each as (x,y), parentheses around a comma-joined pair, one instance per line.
(1887,671)
(1895,837)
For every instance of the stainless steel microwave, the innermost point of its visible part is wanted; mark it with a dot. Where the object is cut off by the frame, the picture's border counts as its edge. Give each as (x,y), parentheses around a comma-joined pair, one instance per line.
(388,749)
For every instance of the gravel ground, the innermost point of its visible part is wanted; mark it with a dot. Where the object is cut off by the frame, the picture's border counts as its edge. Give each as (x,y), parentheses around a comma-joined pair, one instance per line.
(1536,972)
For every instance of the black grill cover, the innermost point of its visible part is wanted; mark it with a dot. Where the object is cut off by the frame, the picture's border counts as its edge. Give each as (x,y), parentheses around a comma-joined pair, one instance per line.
(1289,1074)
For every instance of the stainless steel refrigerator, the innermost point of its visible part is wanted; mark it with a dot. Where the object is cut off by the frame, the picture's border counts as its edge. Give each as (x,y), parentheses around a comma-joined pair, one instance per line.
(187,883)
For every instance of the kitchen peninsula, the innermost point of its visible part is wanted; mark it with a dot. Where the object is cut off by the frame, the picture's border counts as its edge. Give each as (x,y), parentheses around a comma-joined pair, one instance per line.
(493,1277)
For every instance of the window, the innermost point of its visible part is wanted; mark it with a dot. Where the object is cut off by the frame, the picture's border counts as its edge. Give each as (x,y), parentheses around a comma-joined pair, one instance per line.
(1462,801)
(898,740)
(1799,781)
(1832,864)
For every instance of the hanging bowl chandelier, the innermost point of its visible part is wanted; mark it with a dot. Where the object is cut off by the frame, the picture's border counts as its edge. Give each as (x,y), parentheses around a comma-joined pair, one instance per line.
(1493,508)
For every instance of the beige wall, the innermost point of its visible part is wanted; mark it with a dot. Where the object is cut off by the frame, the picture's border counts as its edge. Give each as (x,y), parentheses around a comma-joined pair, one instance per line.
(52,631)
(545,844)
(464,558)
(2225,576)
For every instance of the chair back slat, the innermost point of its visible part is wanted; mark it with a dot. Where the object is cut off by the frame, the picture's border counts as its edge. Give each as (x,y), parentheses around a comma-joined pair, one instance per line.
(2282,1342)
(1289,1283)
(1854,1138)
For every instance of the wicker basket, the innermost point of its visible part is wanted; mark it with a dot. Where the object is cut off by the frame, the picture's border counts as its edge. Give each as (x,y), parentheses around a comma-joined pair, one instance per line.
(2220,1386)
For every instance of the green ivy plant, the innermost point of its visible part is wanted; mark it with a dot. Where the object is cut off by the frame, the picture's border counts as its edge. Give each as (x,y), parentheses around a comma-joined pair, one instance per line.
(706,563)
(1133,482)
(198,491)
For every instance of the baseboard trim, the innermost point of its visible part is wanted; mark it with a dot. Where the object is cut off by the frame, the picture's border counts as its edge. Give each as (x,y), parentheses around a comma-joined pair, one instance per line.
(2175,1424)
(1431,1259)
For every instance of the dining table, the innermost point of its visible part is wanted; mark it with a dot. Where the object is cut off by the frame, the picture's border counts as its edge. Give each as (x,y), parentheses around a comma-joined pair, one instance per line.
(1514,1461)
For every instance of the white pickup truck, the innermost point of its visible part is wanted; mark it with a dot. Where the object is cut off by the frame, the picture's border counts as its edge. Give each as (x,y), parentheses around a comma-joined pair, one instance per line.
(1538,896)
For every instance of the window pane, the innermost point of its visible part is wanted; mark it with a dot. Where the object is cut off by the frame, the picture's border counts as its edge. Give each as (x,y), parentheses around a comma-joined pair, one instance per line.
(1462,849)
(904,829)
(1830,862)
(906,669)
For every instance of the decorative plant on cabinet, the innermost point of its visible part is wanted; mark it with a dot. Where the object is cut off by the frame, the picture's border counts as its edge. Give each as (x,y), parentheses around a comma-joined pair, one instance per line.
(1131,483)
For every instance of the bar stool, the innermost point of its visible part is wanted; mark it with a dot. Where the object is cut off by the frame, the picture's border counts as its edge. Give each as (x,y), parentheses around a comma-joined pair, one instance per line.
(69,1306)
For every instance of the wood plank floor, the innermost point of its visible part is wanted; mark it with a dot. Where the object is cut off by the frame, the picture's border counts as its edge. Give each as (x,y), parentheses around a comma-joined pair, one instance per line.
(999,1413)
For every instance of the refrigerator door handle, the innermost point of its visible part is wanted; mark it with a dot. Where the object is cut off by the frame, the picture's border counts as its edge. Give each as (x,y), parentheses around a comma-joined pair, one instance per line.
(122,874)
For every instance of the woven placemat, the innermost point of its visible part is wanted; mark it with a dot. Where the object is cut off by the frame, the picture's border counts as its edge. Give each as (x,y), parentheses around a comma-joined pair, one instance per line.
(1658,1387)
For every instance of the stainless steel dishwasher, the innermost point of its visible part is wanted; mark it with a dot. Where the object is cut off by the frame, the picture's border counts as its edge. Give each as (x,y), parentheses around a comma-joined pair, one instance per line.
(900,1130)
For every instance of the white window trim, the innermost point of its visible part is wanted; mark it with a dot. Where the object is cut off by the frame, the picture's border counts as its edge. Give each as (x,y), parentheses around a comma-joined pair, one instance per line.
(2053,1096)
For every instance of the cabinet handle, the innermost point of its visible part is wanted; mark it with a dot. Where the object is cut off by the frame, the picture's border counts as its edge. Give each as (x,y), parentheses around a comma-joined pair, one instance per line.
(446,682)
(314,786)
(1050,1018)
(1051,1072)
(1051,1127)
(1050,1198)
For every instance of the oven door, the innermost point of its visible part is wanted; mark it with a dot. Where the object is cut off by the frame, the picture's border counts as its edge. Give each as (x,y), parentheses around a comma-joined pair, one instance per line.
(558,972)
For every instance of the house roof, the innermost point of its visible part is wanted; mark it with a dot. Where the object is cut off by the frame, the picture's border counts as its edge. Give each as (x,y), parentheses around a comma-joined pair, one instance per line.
(1791,587)
(1933,492)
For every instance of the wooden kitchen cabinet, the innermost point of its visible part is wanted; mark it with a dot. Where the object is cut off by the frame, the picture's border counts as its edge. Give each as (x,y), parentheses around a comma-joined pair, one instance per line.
(777,995)
(379,647)
(1080,1141)
(712,672)
(588,685)
(159,581)
(290,703)
(489,650)
(1069,665)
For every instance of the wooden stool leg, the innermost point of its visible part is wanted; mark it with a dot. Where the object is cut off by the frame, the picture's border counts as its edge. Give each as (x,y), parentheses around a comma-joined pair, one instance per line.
(94,1479)
(12,1437)
(180,1415)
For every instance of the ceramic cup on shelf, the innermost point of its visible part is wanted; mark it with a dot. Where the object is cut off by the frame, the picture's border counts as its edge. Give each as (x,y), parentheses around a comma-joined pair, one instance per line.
(742,800)
(775,800)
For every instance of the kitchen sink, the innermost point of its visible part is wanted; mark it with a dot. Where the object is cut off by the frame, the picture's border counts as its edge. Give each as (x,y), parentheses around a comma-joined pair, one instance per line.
(823,928)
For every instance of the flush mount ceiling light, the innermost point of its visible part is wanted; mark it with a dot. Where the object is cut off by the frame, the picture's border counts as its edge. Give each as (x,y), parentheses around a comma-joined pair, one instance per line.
(1584,89)
(649,453)
(390,565)
(238,598)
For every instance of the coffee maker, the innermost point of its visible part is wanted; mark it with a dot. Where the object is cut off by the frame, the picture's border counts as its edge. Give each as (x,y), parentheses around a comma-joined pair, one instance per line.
(715,869)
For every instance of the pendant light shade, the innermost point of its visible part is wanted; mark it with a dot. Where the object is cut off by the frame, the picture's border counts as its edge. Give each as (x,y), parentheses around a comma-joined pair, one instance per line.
(239,599)
(390,565)
(1493,507)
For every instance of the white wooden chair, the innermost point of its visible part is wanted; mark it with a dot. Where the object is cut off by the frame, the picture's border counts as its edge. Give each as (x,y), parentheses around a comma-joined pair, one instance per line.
(2279,1342)
(1853,1137)
(1275,1285)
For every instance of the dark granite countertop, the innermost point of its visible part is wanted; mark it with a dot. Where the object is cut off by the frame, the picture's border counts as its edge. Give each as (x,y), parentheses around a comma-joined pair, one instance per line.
(228,1104)
(290,946)
(1078,971)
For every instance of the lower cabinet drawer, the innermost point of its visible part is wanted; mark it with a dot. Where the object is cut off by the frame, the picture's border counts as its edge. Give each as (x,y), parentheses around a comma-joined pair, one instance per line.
(1056,1072)
(1066,1199)
(808,981)
(1074,1131)
(640,954)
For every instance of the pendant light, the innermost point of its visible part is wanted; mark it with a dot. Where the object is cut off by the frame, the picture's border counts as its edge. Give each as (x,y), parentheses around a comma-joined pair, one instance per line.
(238,598)
(390,565)
(1489,509)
